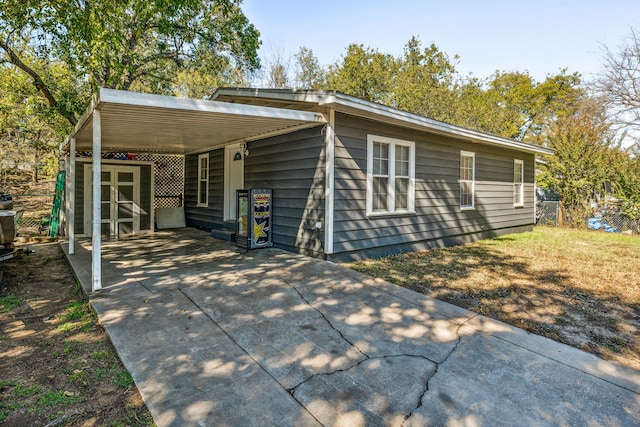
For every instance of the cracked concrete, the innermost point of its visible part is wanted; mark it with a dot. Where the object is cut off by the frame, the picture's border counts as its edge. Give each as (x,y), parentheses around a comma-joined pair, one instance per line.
(216,336)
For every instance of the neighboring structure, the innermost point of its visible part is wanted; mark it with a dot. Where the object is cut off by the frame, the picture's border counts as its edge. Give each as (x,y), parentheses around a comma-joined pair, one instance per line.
(350,178)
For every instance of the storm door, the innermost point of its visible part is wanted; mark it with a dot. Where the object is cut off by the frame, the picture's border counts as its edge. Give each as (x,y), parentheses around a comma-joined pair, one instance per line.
(233,179)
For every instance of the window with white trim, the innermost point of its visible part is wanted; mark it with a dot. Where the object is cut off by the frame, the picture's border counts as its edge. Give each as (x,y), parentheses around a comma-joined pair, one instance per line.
(390,175)
(467,179)
(518,183)
(203,179)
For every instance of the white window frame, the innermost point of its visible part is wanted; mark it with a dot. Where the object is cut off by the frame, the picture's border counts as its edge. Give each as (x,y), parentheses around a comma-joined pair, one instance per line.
(472,181)
(518,185)
(391,199)
(203,181)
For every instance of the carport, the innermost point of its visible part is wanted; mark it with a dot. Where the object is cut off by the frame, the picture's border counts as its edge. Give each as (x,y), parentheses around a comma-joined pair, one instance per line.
(121,121)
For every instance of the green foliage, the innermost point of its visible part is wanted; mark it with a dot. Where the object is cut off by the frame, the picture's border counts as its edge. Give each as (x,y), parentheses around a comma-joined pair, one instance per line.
(309,74)
(627,187)
(9,302)
(29,128)
(55,399)
(425,82)
(583,161)
(21,391)
(124,379)
(178,47)
(78,315)
(365,73)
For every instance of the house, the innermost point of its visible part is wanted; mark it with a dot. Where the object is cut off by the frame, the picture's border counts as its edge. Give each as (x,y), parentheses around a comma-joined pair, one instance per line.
(350,178)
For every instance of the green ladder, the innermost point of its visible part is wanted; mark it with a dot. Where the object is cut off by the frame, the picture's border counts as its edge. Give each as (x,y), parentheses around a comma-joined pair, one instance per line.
(58,197)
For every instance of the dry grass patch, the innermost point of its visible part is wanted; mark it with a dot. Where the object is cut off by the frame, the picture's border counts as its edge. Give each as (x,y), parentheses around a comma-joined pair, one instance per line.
(581,288)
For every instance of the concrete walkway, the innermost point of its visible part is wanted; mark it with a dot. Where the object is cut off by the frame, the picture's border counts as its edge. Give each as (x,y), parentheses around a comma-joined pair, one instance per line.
(214,336)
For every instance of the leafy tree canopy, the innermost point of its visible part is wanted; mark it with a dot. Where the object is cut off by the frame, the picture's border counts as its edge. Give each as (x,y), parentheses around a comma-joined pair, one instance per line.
(586,157)
(130,44)
(363,72)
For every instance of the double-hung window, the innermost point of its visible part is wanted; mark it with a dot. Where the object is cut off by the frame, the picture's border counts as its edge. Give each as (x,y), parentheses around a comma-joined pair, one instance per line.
(518,183)
(467,179)
(203,180)
(390,175)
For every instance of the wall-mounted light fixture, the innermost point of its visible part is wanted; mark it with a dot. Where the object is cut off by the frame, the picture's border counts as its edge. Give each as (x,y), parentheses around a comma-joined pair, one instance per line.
(244,147)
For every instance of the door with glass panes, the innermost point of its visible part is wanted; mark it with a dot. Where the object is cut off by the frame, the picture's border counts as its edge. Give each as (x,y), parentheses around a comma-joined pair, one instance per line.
(119,200)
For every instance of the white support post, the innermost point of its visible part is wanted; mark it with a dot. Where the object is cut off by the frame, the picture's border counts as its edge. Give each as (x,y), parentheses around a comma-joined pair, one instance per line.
(329,150)
(96,270)
(71,197)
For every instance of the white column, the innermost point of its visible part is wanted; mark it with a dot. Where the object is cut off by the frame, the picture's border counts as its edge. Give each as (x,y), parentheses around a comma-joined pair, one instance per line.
(96,270)
(71,197)
(329,164)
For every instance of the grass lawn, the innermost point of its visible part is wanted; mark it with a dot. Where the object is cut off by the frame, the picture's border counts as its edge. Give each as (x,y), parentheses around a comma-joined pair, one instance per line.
(578,287)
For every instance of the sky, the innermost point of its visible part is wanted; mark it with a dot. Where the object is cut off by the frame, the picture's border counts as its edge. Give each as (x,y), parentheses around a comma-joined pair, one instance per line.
(539,36)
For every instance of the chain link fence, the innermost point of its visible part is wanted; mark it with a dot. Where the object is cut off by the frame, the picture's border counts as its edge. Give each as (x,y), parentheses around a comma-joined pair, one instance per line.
(608,219)
(547,213)
(611,220)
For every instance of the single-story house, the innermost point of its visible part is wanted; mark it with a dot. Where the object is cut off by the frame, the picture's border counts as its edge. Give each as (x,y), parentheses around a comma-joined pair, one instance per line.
(350,178)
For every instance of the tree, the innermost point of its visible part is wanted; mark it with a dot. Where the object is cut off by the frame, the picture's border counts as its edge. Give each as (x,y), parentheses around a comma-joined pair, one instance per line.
(425,82)
(365,73)
(29,128)
(130,44)
(277,71)
(525,109)
(619,80)
(627,186)
(309,74)
(583,161)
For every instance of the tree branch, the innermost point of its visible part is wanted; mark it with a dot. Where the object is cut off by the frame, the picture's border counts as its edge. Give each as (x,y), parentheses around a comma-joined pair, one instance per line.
(38,83)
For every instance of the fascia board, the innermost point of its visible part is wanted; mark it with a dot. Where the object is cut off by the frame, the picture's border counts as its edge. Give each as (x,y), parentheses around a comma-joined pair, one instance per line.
(376,111)
(113,96)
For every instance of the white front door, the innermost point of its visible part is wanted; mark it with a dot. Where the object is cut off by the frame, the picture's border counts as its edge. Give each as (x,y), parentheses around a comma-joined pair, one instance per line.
(119,200)
(233,179)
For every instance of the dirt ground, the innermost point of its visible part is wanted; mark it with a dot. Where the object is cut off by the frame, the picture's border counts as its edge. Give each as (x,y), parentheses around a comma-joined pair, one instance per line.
(57,365)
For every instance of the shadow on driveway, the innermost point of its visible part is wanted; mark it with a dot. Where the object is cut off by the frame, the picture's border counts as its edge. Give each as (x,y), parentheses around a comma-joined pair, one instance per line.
(213,335)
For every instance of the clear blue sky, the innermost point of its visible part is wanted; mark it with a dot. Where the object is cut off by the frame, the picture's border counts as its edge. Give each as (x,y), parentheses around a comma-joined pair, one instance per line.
(540,36)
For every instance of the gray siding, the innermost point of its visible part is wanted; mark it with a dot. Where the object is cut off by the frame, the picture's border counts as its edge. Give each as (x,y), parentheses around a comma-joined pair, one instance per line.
(438,220)
(293,166)
(212,216)
(79,199)
(146,199)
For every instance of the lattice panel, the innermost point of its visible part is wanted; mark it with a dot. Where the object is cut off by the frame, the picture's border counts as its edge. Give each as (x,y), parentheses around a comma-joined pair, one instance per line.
(169,175)
(169,178)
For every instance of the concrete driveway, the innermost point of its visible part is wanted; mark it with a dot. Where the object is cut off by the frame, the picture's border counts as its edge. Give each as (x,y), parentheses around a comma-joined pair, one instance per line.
(215,336)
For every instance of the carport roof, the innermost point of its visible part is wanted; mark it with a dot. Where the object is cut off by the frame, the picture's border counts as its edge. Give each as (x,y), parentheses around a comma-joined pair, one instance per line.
(140,122)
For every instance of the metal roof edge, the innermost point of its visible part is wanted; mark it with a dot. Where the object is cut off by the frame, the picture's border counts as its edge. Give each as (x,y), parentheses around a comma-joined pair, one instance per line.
(379,110)
(83,119)
(336,100)
(113,96)
(301,95)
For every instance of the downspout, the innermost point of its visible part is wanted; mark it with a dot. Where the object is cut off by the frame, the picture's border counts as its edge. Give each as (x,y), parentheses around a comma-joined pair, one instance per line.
(96,270)
(329,149)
